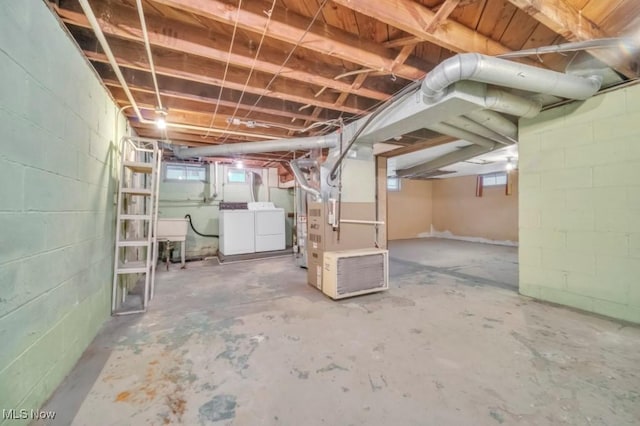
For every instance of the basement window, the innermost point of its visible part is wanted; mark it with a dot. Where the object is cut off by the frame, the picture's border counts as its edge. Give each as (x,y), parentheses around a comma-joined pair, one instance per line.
(393,184)
(494,179)
(181,172)
(236,176)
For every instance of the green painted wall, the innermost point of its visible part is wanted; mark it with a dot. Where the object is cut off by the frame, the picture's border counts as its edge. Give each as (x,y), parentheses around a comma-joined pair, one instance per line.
(57,156)
(180,198)
(580,205)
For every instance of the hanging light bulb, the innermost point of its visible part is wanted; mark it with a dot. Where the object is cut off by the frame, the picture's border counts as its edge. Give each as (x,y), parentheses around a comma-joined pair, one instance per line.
(239,165)
(510,166)
(161,122)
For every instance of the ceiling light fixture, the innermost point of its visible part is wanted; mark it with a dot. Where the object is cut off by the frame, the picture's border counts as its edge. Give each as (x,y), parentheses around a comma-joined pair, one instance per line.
(239,165)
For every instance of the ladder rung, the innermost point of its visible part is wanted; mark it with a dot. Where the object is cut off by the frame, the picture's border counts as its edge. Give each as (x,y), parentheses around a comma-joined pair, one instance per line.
(137,191)
(139,167)
(135,217)
(136,267)
(133,243)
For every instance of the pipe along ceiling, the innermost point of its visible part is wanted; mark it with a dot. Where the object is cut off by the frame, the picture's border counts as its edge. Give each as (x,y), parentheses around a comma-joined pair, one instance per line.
(471,97)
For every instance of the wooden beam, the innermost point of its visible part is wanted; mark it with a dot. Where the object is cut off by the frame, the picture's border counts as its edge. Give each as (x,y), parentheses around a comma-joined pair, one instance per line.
(140,81)
(358,81)
(441,15)
(402,41)
(403,55)
(148,99)
(185,67)
(291,28)
(180,109)
(174,35)
(562,18)
(412,17)
(204,120)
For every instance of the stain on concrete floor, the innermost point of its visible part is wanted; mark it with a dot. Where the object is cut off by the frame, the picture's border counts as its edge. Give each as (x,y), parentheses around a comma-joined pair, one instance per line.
(250,343)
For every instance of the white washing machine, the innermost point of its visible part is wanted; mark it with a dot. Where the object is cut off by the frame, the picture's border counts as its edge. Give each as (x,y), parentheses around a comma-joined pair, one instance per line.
(237,232)
(269,226)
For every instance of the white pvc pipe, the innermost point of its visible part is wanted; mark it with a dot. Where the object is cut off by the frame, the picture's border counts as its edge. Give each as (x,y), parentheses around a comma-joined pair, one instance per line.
(147,45)
(362,222)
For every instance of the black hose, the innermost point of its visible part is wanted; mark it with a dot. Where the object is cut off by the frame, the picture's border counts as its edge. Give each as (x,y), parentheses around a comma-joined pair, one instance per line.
(334,170)
(188,216)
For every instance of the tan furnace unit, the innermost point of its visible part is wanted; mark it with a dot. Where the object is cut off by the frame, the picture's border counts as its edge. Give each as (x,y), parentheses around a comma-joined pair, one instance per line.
(354,272)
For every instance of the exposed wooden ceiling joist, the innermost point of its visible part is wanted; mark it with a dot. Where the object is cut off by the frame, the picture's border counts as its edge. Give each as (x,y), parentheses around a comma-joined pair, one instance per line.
(562,18)
(441,15)
(184,114)
(138,80)
(414,18)
(291,28)
(186,67)
(122,22)
(147,99)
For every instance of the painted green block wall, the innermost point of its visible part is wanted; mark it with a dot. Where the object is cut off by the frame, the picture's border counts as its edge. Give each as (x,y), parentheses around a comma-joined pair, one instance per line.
(580,205)
(180,198)
(57,156)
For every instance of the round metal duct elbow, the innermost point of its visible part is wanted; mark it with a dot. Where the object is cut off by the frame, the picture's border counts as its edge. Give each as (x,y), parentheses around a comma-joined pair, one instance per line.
(490,70)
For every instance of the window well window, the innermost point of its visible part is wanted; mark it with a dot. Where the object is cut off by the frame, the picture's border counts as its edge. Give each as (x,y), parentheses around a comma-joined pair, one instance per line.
(185,172)
(494,179)
(393,184)
(236,176)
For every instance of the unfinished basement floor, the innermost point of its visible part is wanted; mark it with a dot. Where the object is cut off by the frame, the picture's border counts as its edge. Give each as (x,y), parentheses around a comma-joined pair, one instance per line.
(450,343)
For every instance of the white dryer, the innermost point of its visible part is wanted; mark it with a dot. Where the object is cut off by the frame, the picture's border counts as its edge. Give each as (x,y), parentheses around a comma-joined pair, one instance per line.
(269,226)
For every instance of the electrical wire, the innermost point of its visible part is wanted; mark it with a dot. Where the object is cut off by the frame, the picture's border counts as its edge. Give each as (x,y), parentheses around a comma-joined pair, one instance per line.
(295,46)
(188,216)
(226,69)
(255,59)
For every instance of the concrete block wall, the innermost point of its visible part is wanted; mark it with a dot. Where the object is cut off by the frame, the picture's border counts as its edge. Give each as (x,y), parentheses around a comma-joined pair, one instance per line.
(58,133)
(580,205)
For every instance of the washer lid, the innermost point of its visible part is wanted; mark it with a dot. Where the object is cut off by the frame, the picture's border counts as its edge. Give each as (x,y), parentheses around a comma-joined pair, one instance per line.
(261,205)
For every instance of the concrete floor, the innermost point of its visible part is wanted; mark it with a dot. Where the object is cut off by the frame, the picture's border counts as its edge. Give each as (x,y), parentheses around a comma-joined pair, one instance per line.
(450,343)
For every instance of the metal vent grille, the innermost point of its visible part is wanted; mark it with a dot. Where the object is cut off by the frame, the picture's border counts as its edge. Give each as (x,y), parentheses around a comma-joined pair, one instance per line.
(360,273)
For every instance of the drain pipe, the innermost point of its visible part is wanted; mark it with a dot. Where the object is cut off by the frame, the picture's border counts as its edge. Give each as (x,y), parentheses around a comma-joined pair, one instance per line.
(490,70)
(95,26)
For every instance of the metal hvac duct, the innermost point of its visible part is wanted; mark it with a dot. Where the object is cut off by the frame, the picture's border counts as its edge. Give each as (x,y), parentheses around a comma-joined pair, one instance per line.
(302,181)
(293,144)
(461,154)
(490,70)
